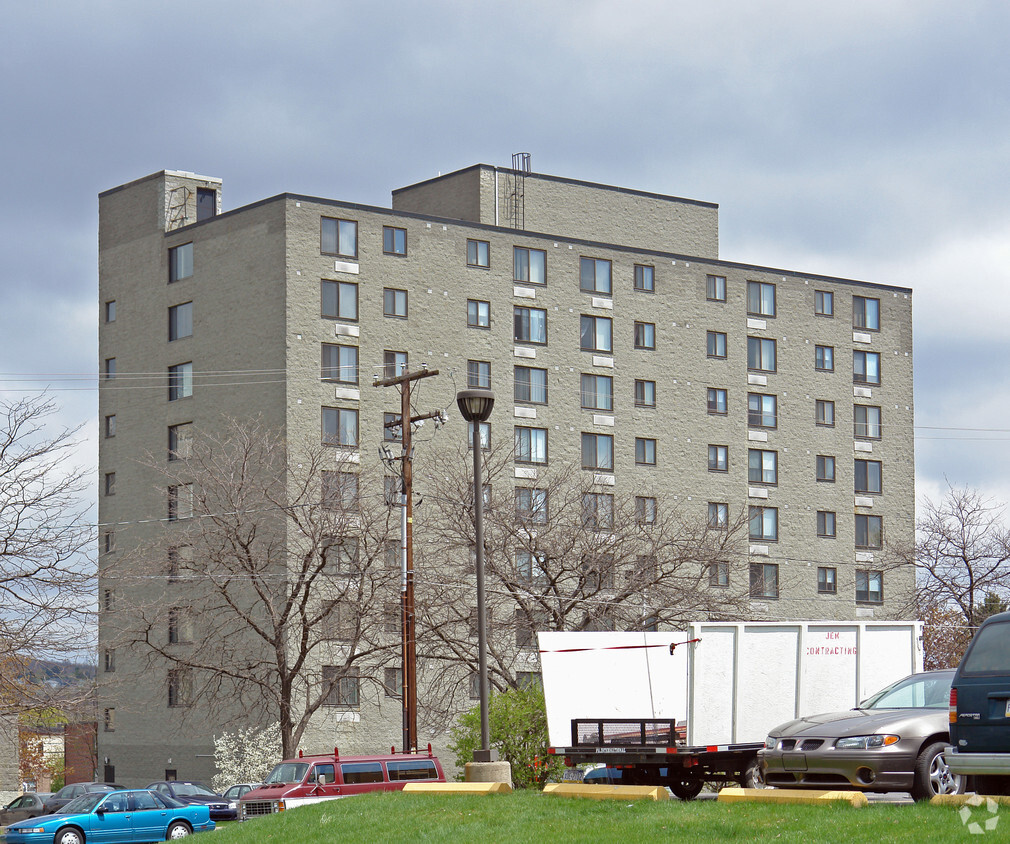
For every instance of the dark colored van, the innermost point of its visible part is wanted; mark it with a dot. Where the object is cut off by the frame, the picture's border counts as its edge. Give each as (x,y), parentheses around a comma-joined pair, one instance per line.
(980,709)
(312,779)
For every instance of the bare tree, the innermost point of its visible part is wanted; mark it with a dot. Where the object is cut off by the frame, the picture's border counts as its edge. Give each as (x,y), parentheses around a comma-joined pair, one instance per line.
(275,591)
(561,554)
(47,573)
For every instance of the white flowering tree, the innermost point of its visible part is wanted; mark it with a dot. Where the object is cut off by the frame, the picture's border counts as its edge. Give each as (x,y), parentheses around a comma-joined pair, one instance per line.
(245,755)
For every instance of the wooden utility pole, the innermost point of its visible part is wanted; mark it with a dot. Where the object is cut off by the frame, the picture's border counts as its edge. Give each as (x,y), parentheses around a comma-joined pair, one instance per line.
(407,618)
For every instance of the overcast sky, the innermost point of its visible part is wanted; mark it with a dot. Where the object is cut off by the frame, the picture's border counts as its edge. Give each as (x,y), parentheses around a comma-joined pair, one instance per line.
(865,140)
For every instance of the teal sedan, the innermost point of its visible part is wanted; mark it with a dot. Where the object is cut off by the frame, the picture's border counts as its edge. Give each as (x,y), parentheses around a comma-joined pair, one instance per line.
(120,817)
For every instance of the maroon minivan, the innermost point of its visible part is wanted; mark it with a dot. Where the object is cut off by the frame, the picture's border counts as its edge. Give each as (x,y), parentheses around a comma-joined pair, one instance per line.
(327,776)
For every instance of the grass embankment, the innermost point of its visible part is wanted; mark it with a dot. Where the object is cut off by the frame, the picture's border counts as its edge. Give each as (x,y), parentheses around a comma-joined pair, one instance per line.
(531,816)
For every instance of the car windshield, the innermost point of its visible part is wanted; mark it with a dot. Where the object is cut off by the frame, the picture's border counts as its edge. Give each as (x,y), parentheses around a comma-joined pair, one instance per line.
(920,691)
(191,789)
(82,805)
(287,772)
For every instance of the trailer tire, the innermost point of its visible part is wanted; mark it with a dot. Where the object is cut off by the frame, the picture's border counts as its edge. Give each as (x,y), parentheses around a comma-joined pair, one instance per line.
(753,776)
(686,788)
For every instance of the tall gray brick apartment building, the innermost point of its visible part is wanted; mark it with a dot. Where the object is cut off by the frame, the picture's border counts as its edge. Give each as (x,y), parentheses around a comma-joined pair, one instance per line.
(612,333)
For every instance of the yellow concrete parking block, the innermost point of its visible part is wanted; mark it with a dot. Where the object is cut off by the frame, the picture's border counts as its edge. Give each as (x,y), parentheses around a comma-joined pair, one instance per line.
(788,795)
(961,799)
(607,792)
(459,787)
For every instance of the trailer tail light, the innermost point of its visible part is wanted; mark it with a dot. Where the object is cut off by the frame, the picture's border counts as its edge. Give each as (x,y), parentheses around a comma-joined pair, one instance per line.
(952,716)
(551,751)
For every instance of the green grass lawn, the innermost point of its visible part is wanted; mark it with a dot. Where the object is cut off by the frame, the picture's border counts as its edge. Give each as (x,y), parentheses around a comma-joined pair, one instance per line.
(532,816)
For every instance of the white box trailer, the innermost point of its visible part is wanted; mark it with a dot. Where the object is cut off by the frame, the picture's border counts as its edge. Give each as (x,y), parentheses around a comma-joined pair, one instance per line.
(704,707)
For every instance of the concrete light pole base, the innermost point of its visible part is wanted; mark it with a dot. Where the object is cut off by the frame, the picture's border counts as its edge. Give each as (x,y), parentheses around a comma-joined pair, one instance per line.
(488,772)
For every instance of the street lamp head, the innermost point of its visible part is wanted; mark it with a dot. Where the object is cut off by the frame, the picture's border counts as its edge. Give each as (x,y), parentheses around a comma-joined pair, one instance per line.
(475,405)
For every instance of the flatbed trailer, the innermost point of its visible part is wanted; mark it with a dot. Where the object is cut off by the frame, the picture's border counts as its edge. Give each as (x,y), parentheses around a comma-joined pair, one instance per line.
(651,752)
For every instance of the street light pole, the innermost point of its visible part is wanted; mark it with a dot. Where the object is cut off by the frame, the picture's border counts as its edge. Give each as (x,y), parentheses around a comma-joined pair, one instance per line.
(476,405)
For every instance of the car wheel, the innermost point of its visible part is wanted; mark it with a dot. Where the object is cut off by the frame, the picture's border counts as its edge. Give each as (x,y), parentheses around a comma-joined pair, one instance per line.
(69,836)
(932,776)
(753,776)
(177,830)
(686,788)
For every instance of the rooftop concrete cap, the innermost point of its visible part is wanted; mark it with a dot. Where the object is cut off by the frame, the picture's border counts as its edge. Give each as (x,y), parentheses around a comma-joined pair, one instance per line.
(459,787)
(787,795)
(607,792)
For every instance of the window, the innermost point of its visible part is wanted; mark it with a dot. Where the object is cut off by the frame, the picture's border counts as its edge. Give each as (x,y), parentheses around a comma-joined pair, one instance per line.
(339,300)
(392,686)
(645,510)
(340,427)
(596,334)
(108,541)
(180,562)
(339,490)
(180,687)
(340,363)
(764,524)
(598,452)
(485,435)
(206,204)
(826,580)
(866,367)
(762,410)
(869,531)
(531,505)
(180,441)
(824,358)
(524,630)
(180,262)
(869,476)
(180,321)
(341,686)
(718,515)
(530,445)
(597,511)
(478,313)
(478,374)
(530,325)
(109,600)
(824,303)
(392,487)
(645,393)
(594,276)
(110,425)
(715,288)
(869,586)
(110,720)
(597,392)
(530,265)
(394,302)
(645,278)
(110,660)
(110,368)
(718,574)
(180,502)
(180,628)
(716,341)
(394,240)
(866,422)
(180,381)
(825,468)
(717,401)
(718,458)
(531,385)
(393,363)
(338,237)
(645,451)
(826,524)
(530,568)
(110,311)
(760,298)
(824,413)
(865,313)
(764,580)
(478,254)
(761,354)
(762,466)
(645,335)
(339,622)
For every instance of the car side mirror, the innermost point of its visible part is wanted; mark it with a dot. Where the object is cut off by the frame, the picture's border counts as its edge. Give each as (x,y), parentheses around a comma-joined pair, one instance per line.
(100,810)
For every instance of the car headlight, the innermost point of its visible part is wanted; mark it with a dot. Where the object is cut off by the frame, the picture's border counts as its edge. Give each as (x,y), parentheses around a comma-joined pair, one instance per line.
(35,829)
(771,742)
(865,742)
(233,805)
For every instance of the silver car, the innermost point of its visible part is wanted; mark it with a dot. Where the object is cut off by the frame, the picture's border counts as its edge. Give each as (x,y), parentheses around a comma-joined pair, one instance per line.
(893,741)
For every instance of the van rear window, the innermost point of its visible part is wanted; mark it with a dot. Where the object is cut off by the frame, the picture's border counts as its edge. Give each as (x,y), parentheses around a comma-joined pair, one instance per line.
(361,772)
(990,650)
(413,769)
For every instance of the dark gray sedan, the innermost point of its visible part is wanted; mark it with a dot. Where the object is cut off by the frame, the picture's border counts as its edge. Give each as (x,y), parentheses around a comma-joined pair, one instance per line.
(893,741)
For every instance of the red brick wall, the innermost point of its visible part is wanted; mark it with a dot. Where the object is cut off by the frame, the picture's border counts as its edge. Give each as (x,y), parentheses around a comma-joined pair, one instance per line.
(81,751)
